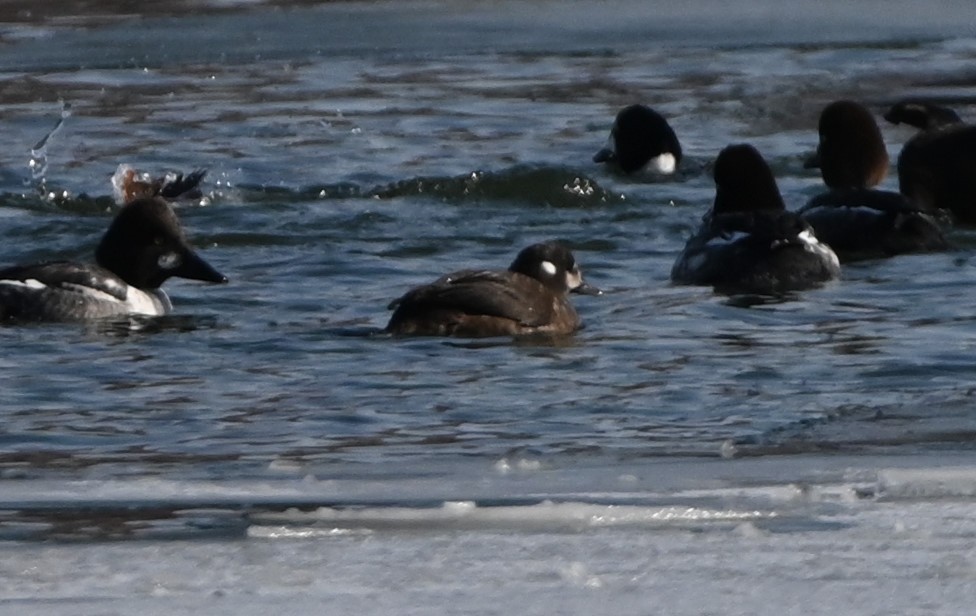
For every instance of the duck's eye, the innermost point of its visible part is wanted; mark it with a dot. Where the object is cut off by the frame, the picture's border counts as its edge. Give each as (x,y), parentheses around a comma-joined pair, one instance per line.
(169,260)
(158,240)
(548,267)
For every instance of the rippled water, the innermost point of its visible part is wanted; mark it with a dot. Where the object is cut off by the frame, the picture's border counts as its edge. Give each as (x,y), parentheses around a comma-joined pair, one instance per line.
(356,150)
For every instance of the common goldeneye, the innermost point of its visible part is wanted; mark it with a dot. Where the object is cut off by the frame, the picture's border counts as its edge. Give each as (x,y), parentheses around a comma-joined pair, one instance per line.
(143,247)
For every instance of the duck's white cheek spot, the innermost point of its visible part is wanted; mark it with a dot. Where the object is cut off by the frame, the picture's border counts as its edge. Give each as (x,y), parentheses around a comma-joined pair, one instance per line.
(169,260)
(548,267)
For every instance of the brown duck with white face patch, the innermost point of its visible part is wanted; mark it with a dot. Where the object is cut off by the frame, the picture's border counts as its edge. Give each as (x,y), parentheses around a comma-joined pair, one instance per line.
(530,297)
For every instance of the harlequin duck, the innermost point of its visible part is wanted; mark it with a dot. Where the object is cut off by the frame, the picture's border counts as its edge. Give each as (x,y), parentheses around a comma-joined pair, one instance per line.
(142,248)
(937,167)
(641,139)
(853,218)
(748,242)
(528,298)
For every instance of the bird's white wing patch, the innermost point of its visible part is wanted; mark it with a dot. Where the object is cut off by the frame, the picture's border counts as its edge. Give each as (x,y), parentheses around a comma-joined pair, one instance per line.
(153,303)
(30,283)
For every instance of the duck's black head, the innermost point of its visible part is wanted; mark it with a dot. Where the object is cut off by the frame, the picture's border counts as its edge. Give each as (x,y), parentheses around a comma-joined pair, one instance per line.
(145,246)
(744,182)
(851,152)
(554,266)
(641,136)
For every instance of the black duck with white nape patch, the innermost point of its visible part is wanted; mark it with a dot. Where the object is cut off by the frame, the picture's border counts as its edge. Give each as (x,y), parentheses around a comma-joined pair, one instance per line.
(641,140)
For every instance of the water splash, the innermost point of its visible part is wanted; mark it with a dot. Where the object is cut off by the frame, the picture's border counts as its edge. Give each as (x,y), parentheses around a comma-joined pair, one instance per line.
(38,157)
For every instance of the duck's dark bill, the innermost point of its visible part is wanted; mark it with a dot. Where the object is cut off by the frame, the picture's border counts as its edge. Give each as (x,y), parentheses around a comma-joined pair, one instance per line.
(195,268)
(587,289)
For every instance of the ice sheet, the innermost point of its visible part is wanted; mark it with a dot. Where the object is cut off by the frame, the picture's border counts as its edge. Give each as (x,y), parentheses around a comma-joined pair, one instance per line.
(830,536)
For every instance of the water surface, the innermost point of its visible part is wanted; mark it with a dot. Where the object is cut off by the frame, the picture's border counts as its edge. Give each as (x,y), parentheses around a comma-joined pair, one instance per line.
(355,150)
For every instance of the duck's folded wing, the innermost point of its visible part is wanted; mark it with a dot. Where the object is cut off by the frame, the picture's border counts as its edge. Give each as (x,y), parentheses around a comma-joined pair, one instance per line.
(762,226)
(730,241)
(505,294)
(67,276)
(880,200)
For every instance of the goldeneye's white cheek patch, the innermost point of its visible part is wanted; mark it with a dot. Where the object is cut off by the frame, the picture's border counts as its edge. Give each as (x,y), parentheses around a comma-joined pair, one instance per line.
(169,260)
(548,267)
